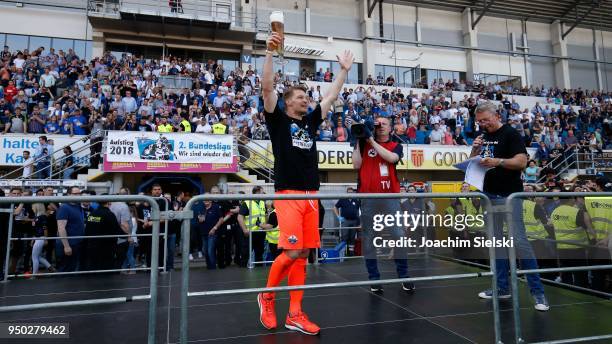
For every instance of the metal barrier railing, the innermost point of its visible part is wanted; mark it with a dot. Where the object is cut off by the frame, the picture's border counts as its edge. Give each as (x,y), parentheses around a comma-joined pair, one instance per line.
(514,271)
(167,213)
(152,296)
(187,214)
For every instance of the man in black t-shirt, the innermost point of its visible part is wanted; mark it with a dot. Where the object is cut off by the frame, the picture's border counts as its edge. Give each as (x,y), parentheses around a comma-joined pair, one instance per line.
(293,135)
(503,151)
(347,212)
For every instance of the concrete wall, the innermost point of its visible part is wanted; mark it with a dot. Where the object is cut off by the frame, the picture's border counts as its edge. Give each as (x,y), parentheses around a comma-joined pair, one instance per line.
(45,22)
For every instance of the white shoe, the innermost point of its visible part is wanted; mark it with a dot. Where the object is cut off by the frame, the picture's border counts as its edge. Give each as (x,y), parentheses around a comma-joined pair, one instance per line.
(191,257)
(200,256)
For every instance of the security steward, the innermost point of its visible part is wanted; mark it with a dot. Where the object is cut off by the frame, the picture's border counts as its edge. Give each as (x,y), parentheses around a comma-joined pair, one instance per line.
(164,126)
(185,126)
(471,206)
(600,211)
(572,226)
(539,232)
(251,217)
(100,251)
(273,233)
(220,127)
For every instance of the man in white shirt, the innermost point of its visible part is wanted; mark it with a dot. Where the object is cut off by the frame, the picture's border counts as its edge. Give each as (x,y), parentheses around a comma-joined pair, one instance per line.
(129,103)
(436,135)
(434,119)
(28,163)
(47,80)
(316,94)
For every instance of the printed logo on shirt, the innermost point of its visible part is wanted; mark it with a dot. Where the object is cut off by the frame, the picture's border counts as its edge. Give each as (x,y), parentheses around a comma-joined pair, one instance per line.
(300,137)
(488,150)
(372,153)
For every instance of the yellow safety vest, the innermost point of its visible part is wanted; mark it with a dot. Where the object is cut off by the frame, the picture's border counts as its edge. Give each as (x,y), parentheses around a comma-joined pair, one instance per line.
(470,209)
(219,128)
(164,128)
(273,235)
(450,210)
(257,214)
(186,125)
(534,228)
(563,219)
(600,210)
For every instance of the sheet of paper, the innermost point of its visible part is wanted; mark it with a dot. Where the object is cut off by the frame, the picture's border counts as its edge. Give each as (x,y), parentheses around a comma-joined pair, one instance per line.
(465,163)
(474,172)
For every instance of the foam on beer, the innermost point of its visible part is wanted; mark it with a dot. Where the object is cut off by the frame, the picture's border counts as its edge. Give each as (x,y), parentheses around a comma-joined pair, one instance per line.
(277,16)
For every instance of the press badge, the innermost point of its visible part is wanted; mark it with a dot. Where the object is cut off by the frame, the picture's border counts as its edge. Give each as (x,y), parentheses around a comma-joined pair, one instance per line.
(384,170)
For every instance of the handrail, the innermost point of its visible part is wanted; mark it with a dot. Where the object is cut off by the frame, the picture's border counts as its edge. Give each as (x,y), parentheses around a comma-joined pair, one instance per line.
(268,177)
(40,159)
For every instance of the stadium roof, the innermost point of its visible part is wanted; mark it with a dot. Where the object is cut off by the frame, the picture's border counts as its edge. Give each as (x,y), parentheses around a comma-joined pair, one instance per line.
(573,13)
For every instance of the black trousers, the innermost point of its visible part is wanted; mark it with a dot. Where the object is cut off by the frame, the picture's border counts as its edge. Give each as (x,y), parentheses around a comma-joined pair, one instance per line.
(224,248)
(574,257)
(236,239)
(259,241)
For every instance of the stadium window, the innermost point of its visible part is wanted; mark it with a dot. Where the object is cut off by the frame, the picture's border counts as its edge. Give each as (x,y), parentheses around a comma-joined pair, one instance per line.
(37,42)
(432,75)
(79,48)
(292,69)
(17,42)
(62,44)
(258,62)
(378,70)
(88,50)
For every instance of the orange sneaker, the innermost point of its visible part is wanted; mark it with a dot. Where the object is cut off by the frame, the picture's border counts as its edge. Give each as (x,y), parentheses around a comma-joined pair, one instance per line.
(300,322)
(267,315)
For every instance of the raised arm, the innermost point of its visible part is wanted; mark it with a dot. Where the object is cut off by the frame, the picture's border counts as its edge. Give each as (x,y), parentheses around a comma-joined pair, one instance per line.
(346,61)
(267,84)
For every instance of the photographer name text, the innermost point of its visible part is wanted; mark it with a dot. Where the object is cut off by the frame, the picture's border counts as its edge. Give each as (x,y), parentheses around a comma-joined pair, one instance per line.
(456,242)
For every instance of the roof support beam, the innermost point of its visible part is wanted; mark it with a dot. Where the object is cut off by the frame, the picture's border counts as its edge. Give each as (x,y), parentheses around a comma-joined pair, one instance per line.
(579,20)
(569,9)
(483,12)
(371,6)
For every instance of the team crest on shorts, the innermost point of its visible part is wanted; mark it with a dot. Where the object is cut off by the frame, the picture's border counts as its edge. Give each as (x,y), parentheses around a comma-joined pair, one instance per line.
(293,240)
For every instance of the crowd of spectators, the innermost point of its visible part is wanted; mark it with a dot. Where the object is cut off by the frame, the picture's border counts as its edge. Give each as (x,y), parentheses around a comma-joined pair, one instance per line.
(57,92)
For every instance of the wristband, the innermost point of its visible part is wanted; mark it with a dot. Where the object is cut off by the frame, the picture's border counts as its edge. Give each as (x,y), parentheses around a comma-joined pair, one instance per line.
(269,51)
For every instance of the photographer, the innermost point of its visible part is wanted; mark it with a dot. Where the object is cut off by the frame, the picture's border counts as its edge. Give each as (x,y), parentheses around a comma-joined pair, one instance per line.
(375,157)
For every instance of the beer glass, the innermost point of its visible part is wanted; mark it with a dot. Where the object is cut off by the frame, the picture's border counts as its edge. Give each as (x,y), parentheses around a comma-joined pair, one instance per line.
(277,24)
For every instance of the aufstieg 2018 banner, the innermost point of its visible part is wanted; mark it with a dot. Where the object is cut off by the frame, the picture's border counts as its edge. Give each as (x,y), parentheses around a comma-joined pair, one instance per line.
(168,152)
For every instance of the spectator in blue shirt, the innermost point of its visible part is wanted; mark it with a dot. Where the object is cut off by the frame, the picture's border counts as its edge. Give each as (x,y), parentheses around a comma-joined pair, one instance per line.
(79,123)
(65,126)
(52,127)
(70,223)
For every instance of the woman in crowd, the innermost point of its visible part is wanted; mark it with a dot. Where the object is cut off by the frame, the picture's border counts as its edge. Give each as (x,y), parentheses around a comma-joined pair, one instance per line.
(40,231)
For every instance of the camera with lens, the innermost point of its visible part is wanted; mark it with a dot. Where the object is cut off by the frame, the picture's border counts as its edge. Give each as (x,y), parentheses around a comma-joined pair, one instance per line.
(362,130)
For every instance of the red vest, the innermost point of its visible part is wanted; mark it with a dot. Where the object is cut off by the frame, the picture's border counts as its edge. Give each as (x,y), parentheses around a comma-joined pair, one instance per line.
(377,175)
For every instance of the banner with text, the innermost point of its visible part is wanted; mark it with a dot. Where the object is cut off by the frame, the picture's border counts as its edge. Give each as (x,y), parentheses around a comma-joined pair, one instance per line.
(13,145)
(339,156)
(169,152)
